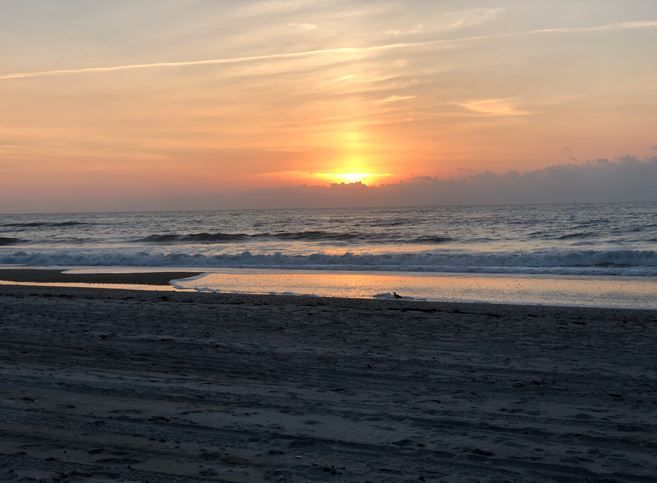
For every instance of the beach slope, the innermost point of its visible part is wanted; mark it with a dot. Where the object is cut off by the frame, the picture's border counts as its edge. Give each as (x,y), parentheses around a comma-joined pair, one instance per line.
(141,386)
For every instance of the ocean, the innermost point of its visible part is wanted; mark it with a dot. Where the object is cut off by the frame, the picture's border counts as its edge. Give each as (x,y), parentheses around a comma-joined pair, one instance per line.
(607,242)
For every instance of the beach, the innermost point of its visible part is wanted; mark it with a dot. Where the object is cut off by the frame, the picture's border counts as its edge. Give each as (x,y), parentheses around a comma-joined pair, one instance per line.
(116,385)
(342,241)
(52,276)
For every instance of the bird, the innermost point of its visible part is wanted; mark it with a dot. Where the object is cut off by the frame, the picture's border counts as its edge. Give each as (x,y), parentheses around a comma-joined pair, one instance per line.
(396,295)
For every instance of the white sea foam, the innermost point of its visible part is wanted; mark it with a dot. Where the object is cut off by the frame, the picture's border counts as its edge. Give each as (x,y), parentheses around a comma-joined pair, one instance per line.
(594,239)
(561,262)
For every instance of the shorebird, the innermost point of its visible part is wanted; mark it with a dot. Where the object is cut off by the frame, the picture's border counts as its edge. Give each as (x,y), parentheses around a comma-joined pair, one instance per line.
(396,295)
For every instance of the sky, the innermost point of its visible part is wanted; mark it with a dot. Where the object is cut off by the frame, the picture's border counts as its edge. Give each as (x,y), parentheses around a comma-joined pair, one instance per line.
(165,104)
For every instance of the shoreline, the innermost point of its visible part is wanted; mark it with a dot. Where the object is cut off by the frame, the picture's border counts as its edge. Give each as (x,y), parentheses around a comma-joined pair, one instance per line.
(523,290)
(38,275)
(145,291)
(124,385)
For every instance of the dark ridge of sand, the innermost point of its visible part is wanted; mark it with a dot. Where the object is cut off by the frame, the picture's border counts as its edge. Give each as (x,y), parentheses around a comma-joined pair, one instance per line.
(139,386)
(56,276)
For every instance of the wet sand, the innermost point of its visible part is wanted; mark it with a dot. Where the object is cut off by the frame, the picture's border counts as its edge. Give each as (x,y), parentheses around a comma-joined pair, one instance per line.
(56,276)
(140,386)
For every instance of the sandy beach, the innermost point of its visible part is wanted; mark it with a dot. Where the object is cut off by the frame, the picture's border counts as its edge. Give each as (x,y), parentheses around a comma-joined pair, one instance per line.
(32,275)
(342,241)
(100,385)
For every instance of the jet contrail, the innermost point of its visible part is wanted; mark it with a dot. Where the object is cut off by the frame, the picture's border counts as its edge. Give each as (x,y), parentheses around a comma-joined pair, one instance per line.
(229,60)
(337,50)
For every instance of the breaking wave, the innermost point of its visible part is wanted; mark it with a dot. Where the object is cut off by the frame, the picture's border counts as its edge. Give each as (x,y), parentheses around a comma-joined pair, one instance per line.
(557,262)
(193,238)
(4,241)
(315,236)
(576,236)
(42,224)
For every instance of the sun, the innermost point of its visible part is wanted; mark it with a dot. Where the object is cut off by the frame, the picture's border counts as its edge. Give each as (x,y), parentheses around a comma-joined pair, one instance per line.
(353,177)
(352,170)
(340,177)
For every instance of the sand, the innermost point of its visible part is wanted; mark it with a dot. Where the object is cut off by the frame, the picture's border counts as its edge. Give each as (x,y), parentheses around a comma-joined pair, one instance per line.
(58,276)
(100,385)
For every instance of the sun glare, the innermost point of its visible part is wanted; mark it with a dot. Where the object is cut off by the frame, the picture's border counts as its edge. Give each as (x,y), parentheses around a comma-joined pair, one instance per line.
(353,164)
(349,177)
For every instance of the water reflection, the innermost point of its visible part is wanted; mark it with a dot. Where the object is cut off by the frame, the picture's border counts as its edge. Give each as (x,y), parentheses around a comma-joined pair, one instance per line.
(576,291)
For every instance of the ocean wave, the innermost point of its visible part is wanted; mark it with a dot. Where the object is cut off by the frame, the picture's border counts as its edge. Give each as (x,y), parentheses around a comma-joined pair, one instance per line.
(432,239)
(389,223)
(557,262)
(576,236)
(9,241)
(551,235)
(43,224)
(316,236)
(193,238)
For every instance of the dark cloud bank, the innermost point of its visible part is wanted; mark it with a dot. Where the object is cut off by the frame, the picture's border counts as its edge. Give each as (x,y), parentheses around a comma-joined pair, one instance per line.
(627,179)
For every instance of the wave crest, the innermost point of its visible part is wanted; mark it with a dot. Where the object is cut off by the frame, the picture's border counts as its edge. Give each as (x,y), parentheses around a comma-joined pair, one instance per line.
(193,237)
(316,236)
(4,241)
(557,262)
(42,224)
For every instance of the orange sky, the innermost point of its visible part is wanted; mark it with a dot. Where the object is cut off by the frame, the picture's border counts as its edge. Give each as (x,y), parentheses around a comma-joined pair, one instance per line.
(141,98)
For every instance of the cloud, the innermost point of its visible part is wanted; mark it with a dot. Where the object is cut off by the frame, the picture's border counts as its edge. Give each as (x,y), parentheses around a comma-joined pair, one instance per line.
(634,25)
(418,29)
(219,61)
(627,179)
(648,24)
(390,99)
(451,21)
(472,17)
(304,27)
(495,107)
(269,8)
